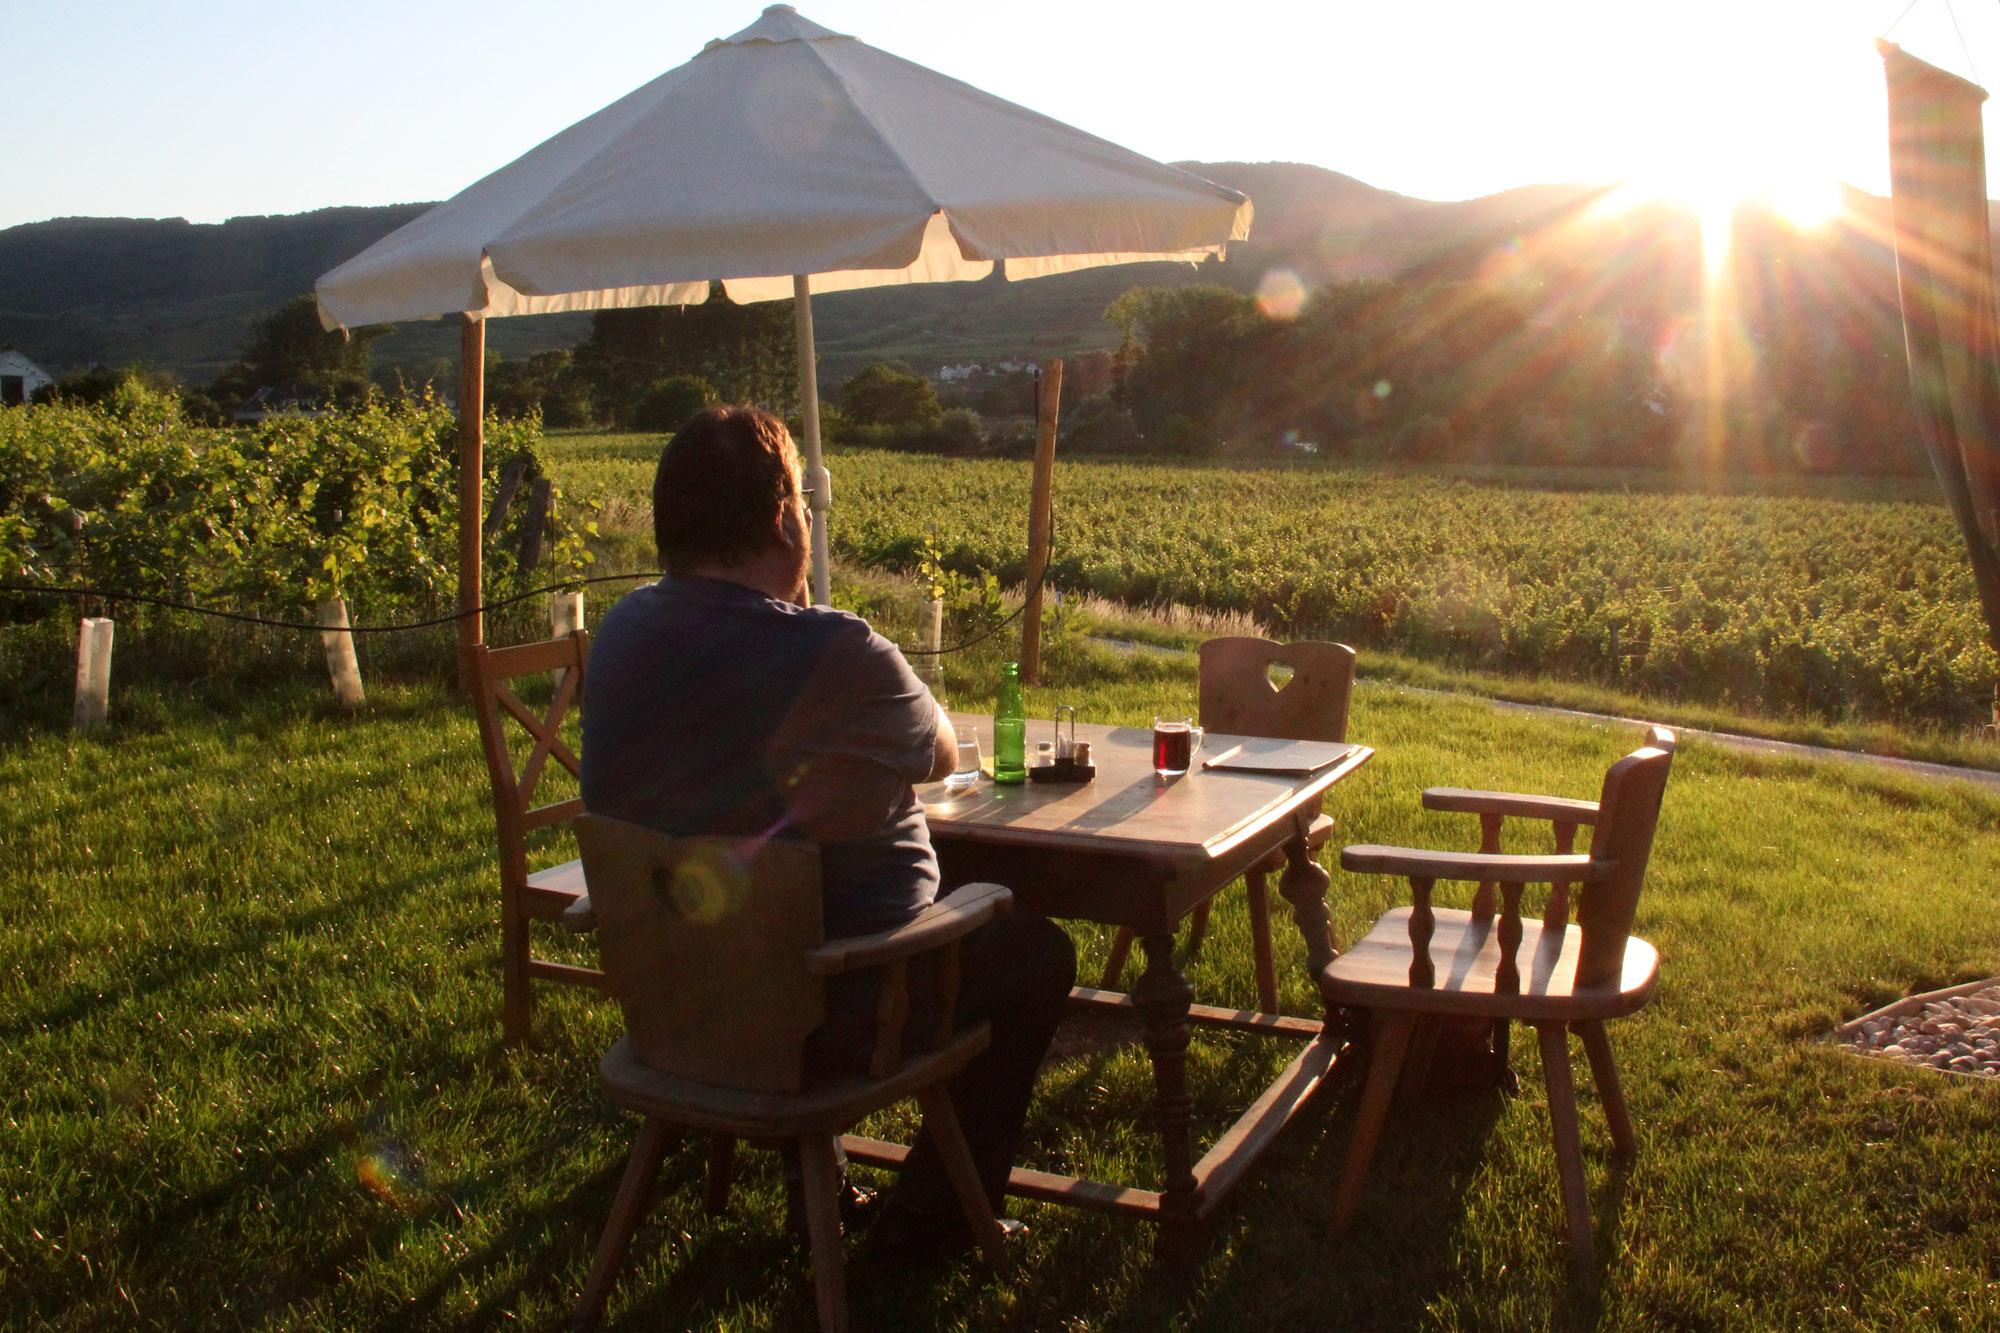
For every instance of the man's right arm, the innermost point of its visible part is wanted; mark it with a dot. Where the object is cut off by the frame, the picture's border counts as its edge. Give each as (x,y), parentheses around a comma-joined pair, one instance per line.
(860,735)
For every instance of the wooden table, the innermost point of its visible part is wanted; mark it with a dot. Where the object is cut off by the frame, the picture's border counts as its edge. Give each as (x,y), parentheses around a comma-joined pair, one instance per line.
(1133,849)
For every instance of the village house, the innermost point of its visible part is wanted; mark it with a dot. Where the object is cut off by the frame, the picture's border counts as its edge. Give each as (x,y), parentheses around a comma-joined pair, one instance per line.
(19,378)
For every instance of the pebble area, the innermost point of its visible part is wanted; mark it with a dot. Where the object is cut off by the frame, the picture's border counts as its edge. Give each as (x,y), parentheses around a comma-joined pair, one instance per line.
(1956,1033)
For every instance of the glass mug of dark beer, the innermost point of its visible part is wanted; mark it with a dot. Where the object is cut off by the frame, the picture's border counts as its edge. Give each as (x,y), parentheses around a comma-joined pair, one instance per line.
(1175,744)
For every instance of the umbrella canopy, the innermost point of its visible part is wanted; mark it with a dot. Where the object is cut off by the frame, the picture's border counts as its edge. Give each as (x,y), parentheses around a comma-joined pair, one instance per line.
(784,160)
(785,149)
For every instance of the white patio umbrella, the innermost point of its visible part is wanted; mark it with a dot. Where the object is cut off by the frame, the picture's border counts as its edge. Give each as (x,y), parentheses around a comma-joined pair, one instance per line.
(782,161)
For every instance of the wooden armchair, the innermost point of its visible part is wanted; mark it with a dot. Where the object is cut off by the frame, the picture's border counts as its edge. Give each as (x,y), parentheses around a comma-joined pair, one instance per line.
(1238,698)
(714,950)
(557,893)
(1421,963)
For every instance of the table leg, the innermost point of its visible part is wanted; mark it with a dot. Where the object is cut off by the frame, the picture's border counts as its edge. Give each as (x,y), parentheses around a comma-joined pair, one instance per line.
(1163,996)
(1304,884)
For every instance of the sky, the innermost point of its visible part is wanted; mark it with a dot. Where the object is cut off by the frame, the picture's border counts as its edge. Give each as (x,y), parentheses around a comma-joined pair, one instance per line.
(226,108)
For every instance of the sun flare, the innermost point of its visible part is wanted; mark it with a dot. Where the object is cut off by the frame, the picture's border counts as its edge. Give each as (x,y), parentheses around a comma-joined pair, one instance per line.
(1742,148)
(1802,199)
(1715,190)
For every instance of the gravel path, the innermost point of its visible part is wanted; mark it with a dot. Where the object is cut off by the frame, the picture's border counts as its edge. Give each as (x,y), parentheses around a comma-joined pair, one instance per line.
(1955,1030)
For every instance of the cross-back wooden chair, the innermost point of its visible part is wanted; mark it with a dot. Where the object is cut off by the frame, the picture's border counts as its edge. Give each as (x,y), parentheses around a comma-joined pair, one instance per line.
(557,893)
(714,950)
(1238,697)
(1420,963)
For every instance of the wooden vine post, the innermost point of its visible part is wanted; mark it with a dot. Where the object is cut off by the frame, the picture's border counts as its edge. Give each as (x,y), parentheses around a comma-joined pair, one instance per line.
(336,640)
(471,473)
(93,673)
(1040,515)
(565,618)
(930,665)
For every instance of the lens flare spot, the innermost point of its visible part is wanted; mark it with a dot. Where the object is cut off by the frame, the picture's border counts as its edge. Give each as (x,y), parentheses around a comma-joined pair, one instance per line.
(708,887)
(1280,294)
(391,1172)
(1383,388)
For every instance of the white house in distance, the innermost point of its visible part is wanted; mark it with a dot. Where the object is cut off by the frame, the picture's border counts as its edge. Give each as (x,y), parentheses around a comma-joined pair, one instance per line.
(19,378)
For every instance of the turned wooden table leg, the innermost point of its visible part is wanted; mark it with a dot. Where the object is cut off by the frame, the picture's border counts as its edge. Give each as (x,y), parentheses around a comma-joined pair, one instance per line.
(1304,884)
(1163,996)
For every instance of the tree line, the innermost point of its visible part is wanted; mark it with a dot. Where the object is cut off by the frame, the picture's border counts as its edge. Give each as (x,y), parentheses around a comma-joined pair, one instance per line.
(1563,369)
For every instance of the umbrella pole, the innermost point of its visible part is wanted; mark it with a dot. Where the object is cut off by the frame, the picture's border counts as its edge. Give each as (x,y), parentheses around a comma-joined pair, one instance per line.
(818,484)
(471,475)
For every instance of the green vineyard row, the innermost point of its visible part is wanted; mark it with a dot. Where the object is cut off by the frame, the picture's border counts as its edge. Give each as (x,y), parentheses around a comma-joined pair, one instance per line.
(1811,607)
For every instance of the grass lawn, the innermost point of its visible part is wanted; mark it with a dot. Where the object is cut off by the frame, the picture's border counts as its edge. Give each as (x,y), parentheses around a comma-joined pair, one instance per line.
(249,1005)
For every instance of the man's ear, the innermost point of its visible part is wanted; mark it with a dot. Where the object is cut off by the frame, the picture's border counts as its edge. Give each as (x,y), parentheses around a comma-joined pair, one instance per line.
(781,526)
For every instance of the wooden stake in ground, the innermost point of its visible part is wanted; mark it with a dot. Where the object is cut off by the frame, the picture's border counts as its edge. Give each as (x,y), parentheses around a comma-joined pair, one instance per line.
(565,618)
(932,669)
(1040,513)
(93,674)
(565,612)
(337,641)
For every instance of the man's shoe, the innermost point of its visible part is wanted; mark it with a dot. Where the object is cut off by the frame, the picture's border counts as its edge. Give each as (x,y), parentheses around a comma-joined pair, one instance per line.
(859,1205)
(857,1209)
(914,1242)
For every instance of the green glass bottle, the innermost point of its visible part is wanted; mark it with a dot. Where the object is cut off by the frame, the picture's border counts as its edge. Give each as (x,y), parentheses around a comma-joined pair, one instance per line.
(1010,729)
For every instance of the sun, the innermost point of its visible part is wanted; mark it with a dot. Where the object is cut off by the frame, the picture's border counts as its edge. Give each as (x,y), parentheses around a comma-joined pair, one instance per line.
(1757,125)
(1803,198)
(1714,180)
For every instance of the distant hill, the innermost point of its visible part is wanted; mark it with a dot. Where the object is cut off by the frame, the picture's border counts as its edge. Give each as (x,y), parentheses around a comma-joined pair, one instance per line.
(1308,208)
(183,296)
(75,291)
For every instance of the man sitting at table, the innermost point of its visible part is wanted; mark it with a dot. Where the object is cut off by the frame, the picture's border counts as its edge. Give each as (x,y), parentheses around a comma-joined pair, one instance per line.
(719,701)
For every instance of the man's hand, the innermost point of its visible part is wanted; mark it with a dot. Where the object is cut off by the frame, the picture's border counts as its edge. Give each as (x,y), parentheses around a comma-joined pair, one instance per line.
(944,752)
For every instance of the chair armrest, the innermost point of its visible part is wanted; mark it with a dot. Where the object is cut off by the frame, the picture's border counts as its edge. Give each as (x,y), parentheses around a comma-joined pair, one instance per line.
(951,917)
(1558,809)
(1479,866)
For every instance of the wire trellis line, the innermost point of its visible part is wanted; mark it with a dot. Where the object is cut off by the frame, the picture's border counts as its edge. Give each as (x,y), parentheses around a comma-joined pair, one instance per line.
(273,622)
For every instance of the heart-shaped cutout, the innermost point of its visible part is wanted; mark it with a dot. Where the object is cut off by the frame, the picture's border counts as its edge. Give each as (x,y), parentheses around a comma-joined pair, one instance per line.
(1279,673)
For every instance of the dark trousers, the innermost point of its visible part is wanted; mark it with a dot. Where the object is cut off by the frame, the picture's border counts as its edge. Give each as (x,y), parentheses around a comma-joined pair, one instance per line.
(1015,975)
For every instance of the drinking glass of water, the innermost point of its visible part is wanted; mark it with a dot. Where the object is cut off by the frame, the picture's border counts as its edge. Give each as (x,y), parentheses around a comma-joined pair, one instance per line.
(966,772)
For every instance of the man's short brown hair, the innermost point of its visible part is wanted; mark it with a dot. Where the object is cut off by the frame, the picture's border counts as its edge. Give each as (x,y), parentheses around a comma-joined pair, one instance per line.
(721,484)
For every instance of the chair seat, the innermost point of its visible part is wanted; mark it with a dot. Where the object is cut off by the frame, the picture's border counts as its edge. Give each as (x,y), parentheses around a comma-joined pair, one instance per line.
(554,890)
(580,917)
(1465,951)
(826,1109)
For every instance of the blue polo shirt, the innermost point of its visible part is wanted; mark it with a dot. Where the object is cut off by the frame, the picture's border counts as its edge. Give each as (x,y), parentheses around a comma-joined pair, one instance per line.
(710,708)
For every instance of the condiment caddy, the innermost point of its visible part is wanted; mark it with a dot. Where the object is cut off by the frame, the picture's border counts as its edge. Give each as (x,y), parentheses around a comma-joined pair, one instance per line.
(1069,760)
